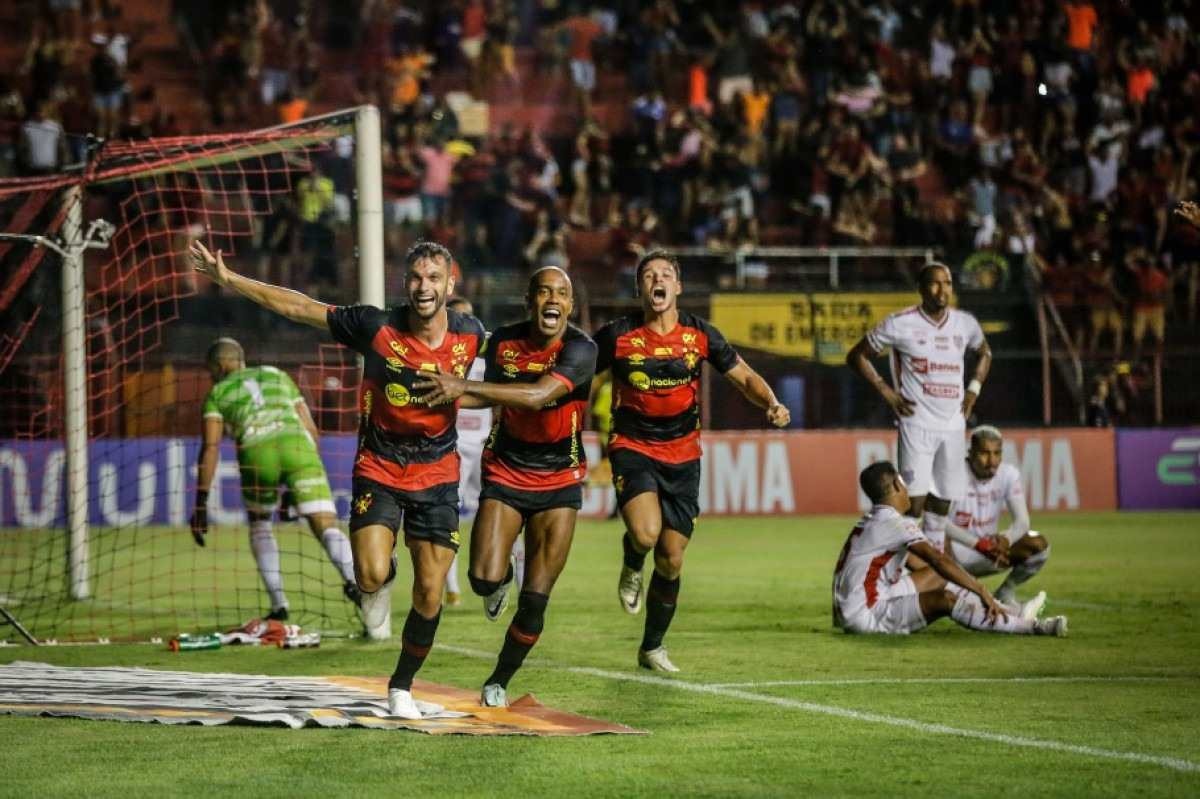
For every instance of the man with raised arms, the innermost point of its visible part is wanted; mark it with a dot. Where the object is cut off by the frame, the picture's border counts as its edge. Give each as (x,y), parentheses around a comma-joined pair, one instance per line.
(928,343)
(656,356)
(406,468)
(874,591)
(540,373)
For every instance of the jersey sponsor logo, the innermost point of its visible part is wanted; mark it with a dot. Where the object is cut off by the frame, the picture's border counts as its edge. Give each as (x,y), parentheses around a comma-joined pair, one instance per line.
(919,365)
(395,364)
(398,348)
(643,382)
(943,390)
(639,380)
(536,367)
(962,519)
(362,503)
(397,395)
(511,369)
(661,351)
(938,366)
(429,367)
(368,398)
(637,359)
(509,354)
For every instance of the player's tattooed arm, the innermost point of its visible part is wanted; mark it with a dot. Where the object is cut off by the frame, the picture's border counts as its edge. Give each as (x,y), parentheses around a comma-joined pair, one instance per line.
(755,389)
(859,359)
(206,469)
(983,365)
(294,305)
(945,565)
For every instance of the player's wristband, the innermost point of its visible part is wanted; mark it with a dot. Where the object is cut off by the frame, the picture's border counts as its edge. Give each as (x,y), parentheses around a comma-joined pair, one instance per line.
(975,386)
(985,545)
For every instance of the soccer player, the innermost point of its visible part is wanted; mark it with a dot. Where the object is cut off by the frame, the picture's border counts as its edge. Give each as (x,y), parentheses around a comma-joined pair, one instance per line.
(534,466)
(975,542)
(655,357)
(276,443)
(406,468)
(875,592)
(928,343)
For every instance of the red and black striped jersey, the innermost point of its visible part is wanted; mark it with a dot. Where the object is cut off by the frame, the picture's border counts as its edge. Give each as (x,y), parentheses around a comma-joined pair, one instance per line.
(656,383)
(539,450)
(403,442)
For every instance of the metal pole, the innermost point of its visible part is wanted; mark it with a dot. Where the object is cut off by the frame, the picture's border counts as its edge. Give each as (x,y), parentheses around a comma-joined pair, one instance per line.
(368,172)
(833,270)
(1044,344)
(739,265)
(75,437)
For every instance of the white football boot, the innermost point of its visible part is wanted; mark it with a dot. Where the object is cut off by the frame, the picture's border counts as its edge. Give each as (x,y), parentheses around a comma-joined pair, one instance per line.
(1055,625)
(629,590)
(493,695)
(656,660)
(402,704)
(1029,611)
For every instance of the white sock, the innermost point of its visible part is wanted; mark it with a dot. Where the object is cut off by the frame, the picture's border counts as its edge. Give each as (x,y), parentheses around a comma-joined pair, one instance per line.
(1023,571)
(266,555)
(933,525)
(452,577)
(337,546)
(969,612)
(518,551)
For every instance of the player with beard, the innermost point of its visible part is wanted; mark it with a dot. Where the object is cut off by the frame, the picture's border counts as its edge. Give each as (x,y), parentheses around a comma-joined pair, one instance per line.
(929,343)
(406,467)
(654,448)
(540,373)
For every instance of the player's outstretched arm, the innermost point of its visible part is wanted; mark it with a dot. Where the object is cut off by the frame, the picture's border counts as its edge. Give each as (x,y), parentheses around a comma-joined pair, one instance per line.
(524,396)
(206,468)
(859,360)
(755,389)
(286,302)
(951,571)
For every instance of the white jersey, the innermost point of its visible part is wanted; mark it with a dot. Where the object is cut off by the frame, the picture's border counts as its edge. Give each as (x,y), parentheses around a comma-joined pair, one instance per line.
(872,560)
(474,424)
(927,362)
(985,500)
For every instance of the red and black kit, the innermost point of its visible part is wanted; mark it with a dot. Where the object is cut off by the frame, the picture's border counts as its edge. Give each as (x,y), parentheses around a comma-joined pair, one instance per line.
(539,451)
(655,440)
(406,457)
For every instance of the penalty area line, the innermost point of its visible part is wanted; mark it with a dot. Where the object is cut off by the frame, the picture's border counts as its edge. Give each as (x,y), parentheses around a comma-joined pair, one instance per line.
(1173,763)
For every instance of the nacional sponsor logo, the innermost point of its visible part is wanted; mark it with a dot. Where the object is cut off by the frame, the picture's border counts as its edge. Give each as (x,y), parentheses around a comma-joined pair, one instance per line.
(397,395)
(643,382)
(398,348)
(1180,466)
(639,380)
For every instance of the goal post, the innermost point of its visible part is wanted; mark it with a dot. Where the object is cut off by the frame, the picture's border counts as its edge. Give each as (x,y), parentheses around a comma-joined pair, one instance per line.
(99,376)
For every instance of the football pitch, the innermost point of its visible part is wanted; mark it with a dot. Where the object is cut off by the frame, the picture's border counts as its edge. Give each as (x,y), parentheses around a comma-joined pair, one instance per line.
(771,700)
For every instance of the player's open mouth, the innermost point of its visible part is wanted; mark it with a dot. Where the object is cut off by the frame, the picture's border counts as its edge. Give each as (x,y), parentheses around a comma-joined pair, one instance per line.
(551,315)
(658,293)
(425,299)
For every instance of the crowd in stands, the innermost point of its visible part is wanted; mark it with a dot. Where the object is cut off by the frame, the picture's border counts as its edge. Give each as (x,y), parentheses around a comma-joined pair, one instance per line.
(1026,139)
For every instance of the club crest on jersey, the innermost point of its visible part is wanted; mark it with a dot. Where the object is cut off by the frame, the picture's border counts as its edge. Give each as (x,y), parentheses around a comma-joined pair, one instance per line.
(691,360)
(460,370)
(958,341)
(398,348)
(397,395)
(362,503)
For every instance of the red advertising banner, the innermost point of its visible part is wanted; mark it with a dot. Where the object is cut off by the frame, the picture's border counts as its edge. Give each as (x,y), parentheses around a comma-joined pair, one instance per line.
(764,473)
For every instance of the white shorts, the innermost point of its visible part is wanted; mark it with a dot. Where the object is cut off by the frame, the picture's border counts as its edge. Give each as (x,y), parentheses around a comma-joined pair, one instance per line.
(975,563)
(931,461)
(470,453)
(405,210)
(898,612)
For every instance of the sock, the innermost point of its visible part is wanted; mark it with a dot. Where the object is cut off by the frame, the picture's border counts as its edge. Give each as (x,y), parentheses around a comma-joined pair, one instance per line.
(660,609)
(518,552)
(633,559)
(522,634)
(933,525)
(1023,571)
(266,555)
(415,643)
(337,547)
(969,612)
(452,586)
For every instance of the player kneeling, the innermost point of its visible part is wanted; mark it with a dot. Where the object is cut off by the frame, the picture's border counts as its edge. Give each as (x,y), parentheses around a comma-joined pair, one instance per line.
(974,521)
(874,592)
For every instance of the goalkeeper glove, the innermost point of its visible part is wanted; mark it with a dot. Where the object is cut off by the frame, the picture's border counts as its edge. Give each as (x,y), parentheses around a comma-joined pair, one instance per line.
(199,520)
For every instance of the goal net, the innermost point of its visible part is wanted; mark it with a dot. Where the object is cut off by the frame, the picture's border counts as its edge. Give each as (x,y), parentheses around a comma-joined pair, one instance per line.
(94,537)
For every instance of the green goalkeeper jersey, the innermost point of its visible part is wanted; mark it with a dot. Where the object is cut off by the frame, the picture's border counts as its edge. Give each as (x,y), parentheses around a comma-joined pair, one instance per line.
(257,404)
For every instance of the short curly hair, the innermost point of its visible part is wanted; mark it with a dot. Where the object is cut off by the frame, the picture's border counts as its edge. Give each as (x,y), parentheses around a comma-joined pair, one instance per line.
(427,249)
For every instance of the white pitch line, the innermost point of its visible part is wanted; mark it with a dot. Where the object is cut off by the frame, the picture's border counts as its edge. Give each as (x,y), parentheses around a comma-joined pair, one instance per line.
(944,680)
(1175,763)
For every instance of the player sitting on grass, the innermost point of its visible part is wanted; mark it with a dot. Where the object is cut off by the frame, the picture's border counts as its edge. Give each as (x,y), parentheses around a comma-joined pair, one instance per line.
(276,443)
(874,592)
(975,519)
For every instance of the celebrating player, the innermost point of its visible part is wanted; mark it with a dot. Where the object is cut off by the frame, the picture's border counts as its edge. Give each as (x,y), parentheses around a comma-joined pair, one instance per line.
(406,467)
(534,465)
(276,443)
(928,343)
(655,357)
(975,542)
(875,592)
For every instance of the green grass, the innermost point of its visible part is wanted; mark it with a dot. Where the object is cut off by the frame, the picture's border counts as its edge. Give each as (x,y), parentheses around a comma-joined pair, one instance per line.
(754,607)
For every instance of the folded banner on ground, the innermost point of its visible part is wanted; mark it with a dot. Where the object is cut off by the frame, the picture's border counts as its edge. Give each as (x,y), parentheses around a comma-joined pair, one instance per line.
(183,697)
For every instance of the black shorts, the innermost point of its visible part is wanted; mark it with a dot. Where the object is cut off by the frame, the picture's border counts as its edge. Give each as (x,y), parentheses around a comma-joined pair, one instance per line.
(677,486)
(527,503)
(430,514)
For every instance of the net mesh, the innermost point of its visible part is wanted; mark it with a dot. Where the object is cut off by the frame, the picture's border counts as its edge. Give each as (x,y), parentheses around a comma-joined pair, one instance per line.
(278,204)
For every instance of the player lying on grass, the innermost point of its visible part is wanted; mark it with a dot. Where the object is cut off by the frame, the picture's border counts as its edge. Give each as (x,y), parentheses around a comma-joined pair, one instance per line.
(534,466)
(875,592)
(976,544)
(655,357)
(406,467)
(276,439)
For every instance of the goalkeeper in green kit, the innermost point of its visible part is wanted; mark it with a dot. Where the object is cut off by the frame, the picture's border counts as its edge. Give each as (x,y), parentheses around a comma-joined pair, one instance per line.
(276,443)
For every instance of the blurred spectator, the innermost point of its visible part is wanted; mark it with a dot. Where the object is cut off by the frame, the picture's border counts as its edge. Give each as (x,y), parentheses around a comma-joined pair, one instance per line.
(315,207)
(438,167)
(42,147)
(583,31)
(1104,305)
(1151,295)
(1097,406)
